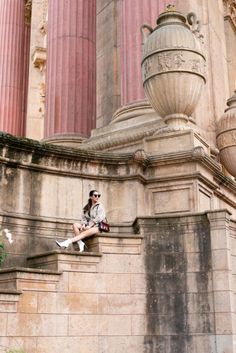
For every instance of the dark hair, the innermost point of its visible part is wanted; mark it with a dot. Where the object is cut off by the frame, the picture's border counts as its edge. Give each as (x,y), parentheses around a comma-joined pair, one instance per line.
(88,206)
(91,193)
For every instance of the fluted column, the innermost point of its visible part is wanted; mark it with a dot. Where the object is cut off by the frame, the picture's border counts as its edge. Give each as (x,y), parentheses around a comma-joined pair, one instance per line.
(71,69)
(134,13)
(12,32)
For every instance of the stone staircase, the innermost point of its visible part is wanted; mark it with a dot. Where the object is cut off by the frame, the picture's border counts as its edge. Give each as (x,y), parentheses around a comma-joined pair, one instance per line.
(49,271)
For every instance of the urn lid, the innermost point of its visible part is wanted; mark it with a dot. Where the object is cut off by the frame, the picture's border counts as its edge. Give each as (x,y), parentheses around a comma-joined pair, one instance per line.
(231,102)
(171,16)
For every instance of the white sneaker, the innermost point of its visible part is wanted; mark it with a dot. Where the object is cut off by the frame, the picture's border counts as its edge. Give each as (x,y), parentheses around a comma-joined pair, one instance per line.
(81,245)
(63,244)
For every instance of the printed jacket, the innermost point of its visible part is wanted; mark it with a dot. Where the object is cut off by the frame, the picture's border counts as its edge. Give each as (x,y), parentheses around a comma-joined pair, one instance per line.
(95,216)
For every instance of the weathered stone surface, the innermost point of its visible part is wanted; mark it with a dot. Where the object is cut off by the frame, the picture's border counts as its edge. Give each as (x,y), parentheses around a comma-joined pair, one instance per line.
(165,283)
(148,300)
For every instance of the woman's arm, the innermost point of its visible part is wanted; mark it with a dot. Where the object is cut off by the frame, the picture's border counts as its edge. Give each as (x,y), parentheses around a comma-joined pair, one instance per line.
(84,219)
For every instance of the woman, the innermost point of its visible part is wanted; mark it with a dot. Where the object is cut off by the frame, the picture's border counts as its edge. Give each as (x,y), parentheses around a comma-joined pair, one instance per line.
(93,214)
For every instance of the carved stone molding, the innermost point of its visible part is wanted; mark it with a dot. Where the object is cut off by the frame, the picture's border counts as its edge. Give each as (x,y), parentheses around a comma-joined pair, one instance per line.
(119,138)
(28,10)
(228,139)
(39,58)
(230,11)
(178,60)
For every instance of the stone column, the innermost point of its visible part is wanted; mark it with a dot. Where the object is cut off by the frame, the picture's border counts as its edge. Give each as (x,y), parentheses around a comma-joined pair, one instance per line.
(12,32)
(71,71)
(134,13)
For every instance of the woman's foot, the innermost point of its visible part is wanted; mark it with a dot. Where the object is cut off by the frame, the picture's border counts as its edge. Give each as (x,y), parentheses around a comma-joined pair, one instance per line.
(63,244)
(81,245)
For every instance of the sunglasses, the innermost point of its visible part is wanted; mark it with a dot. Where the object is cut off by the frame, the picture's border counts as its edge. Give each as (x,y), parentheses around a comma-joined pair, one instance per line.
(96,195)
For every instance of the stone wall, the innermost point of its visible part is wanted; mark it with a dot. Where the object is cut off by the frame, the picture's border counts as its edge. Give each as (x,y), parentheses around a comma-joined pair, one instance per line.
(162,282)
(179,298)
(44,188)
(189,281)
(156,286)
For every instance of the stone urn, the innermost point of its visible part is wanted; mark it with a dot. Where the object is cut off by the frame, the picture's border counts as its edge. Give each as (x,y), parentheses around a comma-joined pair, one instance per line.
(226,136)
(173,66)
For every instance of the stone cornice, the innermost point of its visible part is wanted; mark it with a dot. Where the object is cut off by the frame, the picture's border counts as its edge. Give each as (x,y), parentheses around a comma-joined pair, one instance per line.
(46,150)
(230,11)
(31,154)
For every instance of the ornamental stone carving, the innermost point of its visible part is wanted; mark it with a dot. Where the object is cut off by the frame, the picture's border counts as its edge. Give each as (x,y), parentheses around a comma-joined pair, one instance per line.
(39,58)
(173,66)
(28,9)
(226,136)
(230,11)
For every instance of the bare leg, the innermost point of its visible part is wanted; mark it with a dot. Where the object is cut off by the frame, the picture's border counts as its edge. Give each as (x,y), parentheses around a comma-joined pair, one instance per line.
(76,228)
(83,234)
(80,233)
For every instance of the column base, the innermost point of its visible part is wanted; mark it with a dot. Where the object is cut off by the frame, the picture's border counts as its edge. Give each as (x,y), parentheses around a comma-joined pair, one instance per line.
(67,140)
(132,111)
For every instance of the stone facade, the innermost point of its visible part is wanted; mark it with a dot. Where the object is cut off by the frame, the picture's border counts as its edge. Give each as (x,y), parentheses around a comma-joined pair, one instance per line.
(163,279)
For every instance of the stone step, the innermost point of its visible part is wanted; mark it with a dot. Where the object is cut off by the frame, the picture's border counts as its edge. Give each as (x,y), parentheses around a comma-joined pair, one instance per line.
(19,279)
(115,243)
(9,300)
(66,260)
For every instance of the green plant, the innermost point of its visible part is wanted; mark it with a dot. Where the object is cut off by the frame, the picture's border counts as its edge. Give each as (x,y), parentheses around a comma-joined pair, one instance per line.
(3,253)
(8,236)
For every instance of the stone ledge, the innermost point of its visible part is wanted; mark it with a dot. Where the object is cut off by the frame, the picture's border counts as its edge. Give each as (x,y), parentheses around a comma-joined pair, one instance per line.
(33,149)
(10,292)
(9,300)
(66,260)
(116,243)
(17,279)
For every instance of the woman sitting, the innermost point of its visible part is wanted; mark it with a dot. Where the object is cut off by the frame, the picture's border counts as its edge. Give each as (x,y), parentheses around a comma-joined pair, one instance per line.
(93,214)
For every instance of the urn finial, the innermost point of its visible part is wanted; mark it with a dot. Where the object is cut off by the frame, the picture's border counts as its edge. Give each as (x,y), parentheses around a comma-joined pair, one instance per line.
(170,7)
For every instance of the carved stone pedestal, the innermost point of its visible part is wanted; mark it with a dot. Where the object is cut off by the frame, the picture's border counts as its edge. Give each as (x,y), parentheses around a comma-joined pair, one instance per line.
(182,175)
(177,141)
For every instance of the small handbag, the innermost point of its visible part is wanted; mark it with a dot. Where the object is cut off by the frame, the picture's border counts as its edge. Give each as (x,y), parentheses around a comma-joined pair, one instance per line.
(104,226)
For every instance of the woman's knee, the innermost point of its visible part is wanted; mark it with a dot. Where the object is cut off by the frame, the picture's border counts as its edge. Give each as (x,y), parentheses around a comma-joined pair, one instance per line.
(76,226)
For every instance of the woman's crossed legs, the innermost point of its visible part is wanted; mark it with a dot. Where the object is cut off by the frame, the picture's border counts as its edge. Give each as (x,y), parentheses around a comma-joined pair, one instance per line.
(80,232)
